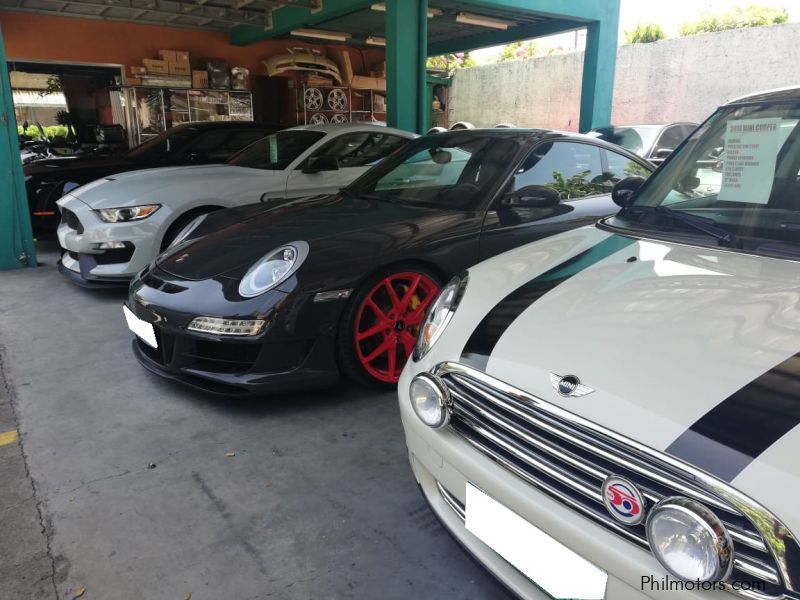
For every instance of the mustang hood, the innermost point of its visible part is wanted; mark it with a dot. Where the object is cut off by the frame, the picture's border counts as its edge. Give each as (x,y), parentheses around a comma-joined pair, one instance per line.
(154,185)
(690,351)
(63,167)
(241,236)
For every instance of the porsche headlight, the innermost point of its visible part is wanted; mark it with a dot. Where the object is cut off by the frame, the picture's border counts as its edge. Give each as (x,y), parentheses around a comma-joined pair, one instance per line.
(439,315)
(272,269)
(128,213)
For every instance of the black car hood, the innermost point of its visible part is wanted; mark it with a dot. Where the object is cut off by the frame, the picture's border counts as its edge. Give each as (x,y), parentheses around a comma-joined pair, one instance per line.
(241,236)
(61,167)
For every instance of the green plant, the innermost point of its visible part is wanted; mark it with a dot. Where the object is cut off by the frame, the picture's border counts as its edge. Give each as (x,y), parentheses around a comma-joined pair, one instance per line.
(575,187)
(517,51)
(644,33)
(739,17)
(450,62)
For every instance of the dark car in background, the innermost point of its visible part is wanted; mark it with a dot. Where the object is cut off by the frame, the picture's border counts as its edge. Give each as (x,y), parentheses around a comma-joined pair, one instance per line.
(260,299)
(653,142)
(188,144)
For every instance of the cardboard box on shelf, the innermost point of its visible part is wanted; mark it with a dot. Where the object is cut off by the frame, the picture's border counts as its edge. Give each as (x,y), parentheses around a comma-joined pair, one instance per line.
(361,82)
(156,67)
(181,56)
(136,71)
(180,68)
(129,80)
(167,55)
(200,79)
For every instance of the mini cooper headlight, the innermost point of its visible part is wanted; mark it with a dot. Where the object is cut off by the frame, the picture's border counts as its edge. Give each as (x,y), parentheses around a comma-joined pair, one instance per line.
(430,400)
(272,269)
(689,540)
(129,213)
(439,315)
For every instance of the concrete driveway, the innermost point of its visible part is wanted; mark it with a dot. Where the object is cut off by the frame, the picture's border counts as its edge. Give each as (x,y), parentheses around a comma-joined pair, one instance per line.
(134,487)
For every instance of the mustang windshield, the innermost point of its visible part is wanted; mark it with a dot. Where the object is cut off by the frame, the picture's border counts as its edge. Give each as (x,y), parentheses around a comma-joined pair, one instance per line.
(441,171)
(737,177)
(277,151)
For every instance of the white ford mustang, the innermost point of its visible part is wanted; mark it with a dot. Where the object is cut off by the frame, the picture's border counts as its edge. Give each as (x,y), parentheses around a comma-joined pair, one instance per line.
(614,412)
(113,227)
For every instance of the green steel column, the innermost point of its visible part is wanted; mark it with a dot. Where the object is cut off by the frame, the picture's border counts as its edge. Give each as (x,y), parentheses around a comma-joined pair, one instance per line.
(16,239)
(406,51)
(599,65)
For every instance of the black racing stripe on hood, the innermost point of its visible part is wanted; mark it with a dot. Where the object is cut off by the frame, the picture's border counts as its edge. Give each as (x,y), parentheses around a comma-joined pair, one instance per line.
(740,428)
(481,343)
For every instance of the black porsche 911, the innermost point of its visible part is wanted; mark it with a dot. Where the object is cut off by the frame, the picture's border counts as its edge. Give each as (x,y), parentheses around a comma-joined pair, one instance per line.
(268,298)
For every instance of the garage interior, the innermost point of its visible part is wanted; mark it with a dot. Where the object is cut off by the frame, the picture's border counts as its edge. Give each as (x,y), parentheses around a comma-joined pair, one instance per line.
(135,475)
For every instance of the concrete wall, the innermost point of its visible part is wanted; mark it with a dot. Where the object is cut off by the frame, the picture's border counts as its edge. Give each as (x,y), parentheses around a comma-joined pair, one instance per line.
(682,79)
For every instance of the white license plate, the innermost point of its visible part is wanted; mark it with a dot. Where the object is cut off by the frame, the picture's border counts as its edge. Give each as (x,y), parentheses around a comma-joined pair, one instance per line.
(142,329)
(549,564)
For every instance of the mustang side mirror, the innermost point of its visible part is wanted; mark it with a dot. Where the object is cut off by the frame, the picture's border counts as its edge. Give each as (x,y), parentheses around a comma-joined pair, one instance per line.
(321,163)
(623,191)
(532,196)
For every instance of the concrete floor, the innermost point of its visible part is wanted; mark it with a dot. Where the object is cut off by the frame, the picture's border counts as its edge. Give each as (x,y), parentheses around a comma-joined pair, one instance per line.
(318,501)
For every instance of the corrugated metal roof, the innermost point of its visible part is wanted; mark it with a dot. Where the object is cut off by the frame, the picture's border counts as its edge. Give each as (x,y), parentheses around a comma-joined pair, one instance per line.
(30,98)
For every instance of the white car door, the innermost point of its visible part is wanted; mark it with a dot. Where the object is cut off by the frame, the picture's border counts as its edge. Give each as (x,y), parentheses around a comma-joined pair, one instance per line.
(343,159)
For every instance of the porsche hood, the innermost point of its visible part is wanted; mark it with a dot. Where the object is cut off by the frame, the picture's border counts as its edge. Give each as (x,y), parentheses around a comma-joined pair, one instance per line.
(694,352)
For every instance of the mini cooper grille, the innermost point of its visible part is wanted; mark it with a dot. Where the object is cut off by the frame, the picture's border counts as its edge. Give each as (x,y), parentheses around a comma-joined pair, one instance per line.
(570,463)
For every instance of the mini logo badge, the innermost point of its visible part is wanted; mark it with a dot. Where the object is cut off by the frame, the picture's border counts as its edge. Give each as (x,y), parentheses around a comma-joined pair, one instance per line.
(623,500)
(569,385)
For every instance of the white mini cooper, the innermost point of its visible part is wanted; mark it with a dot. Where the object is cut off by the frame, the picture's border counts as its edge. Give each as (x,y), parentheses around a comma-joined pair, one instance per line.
(614,412)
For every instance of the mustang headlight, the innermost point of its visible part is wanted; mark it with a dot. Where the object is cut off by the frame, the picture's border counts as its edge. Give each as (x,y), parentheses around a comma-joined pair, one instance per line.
(272,269)
(129,213)
(439,315)
(689,540)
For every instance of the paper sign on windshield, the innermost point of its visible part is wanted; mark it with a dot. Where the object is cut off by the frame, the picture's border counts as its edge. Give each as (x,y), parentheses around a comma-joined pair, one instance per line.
(751,150)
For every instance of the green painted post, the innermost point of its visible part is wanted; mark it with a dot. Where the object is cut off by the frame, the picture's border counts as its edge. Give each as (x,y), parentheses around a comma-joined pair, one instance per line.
(599,65)
(16,240)
(406,51)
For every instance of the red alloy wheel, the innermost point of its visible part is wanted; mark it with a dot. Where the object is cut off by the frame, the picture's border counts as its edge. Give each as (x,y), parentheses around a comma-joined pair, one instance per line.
(388,322)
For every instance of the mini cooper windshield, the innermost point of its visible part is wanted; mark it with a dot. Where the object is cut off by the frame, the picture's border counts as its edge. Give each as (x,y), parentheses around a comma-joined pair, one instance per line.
(734,183)
(452,173)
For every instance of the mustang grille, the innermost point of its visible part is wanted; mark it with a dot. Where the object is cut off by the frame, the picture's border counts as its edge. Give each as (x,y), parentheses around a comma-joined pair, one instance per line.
(568,461)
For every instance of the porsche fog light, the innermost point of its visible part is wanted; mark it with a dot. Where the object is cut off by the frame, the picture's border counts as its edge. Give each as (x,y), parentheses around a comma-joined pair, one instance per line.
(439,315)
(272,269)
(430,400)
(244,327)
(689,540)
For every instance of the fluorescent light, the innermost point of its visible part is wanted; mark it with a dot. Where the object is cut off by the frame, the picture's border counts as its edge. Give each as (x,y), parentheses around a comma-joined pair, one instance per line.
(374,40)
(432,12)
(322,34)
(470,19)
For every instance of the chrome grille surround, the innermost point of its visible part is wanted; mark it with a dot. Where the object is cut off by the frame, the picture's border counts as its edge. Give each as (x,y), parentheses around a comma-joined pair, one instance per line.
(568,458)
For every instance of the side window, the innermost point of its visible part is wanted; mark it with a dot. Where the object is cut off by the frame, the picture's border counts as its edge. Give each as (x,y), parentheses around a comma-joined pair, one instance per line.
(204,146)
(360,149)
(670,138)
(574,170)
(239,138)
(619,167)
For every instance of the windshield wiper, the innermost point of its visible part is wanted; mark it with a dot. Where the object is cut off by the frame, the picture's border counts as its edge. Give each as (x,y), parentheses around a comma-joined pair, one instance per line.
(702,224)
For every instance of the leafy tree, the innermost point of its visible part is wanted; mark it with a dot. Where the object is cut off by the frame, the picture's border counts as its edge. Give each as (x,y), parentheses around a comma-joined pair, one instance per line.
(450,62)
(739,17)
(644,33)
(517,51)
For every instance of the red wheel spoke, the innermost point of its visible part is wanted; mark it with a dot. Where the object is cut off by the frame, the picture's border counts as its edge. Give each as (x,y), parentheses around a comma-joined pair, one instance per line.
(398,307)
(374,330)
(382,347)
(392,360)
(410,293)
(408,342)
(415,317)
(378,312)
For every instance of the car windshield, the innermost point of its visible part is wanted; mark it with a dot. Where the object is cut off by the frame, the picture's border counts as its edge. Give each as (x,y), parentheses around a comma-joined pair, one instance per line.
(637,139)
(443,171)
(167,143)
(277,151)
(738,176)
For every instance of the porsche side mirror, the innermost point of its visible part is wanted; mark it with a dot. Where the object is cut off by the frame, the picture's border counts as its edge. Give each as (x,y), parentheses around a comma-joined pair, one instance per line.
(625,189)
(321,163)
(532,196)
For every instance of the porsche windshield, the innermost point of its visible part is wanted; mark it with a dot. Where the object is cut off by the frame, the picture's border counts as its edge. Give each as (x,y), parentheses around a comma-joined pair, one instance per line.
(736,182)
(453,171)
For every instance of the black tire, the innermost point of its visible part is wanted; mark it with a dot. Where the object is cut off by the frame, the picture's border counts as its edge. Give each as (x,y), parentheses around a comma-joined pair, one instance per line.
(349,361)
(180,223)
